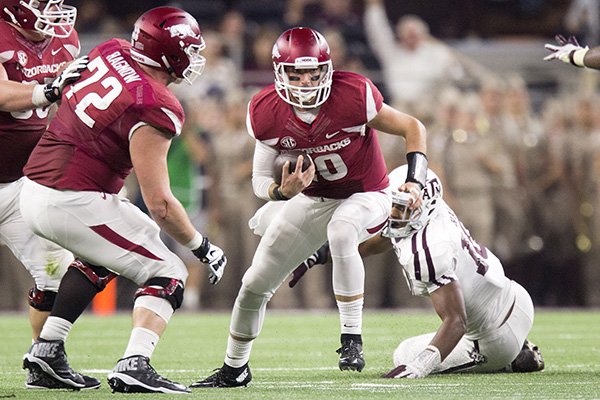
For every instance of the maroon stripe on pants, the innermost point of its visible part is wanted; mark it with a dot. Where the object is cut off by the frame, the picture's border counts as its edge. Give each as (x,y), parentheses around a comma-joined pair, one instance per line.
(123,243)
(415,252)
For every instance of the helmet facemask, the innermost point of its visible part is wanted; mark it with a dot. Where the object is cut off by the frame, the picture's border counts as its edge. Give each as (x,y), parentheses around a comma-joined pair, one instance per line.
(53,19)
(304,96)
(197,62)
(402,221)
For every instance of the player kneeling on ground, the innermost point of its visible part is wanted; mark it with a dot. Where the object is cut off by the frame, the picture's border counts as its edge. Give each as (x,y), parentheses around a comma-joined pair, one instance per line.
(486,317)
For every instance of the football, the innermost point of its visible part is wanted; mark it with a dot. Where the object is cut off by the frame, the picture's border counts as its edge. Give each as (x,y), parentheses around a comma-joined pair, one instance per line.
(292,157)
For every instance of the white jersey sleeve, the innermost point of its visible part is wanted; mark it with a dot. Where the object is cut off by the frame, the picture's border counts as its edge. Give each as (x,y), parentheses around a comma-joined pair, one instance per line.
(444,252)
(429,257)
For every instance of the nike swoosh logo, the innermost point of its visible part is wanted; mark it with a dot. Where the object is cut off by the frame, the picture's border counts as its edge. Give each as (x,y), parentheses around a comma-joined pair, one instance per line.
(55,51)
(330,135)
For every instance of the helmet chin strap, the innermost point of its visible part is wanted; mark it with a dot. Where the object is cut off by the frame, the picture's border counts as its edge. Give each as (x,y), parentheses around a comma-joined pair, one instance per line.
(170,69)
(11,15)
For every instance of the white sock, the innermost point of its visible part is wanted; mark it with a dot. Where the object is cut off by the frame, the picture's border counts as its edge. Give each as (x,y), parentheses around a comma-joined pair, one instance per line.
(238,352)
(351,316)
(56,328)
(141,342)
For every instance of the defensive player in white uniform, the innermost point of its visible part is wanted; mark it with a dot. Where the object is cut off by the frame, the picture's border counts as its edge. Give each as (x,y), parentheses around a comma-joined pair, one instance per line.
(37,40)
(486,317)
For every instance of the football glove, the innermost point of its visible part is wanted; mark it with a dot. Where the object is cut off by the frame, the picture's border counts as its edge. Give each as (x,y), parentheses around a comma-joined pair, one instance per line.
(422,365)
(565,50)
(70,74)
(214,258)
(318,257)
(404,371)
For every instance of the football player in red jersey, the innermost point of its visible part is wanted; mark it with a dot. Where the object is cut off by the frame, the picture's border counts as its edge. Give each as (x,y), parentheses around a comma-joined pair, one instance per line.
(341,198)
(37,41)
(120,115)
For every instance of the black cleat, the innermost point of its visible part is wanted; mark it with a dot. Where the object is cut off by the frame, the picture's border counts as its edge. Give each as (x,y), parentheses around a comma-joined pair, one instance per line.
(351,356)
(38,379)
(529,359)
(135,375)
(226,376)
(48,365)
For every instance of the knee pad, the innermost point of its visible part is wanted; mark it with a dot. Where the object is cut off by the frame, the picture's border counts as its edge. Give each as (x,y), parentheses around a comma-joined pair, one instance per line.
(99,276)
(248,314)
(41,300)
(343,238)
(249,300)
(169,289)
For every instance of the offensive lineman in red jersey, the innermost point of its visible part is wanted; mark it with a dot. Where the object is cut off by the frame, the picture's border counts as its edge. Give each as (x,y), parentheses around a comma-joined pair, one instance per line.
(120,115)
(341,198)
(37,40)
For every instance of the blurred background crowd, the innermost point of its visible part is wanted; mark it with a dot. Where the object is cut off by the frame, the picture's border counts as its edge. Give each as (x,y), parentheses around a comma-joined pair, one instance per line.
(516,140)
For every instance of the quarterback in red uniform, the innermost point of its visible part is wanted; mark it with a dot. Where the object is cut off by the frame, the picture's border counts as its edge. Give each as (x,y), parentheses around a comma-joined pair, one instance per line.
(118,116)
(37,40)
(331,116)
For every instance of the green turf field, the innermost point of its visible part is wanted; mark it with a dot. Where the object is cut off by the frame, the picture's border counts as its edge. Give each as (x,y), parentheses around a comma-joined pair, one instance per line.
(294,358)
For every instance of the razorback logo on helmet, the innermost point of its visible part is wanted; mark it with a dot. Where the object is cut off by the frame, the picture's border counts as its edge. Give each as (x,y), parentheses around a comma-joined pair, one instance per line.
(275,52)
(182,31)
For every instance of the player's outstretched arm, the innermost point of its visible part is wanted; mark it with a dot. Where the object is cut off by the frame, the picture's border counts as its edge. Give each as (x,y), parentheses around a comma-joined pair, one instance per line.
(394,122)
(375,245)
(149,148)
(449,304)
(568,50)
(17,96)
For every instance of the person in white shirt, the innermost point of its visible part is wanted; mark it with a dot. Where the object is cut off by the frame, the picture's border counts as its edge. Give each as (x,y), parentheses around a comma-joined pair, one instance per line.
(413,63)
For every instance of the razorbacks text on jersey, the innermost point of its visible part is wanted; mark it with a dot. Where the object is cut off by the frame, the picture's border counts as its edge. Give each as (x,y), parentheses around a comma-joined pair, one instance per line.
(86,147)
(28,62)
(346,153)
(444,251)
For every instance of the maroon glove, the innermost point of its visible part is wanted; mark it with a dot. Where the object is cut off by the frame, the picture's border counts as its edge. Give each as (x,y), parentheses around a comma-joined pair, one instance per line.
(318,257)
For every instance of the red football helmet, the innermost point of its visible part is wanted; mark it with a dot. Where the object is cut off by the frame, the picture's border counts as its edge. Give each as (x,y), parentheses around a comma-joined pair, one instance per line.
(49,17)
(170,39)
(302,48)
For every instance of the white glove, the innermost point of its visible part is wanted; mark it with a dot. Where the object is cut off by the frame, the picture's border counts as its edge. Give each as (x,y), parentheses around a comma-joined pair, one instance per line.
(405,371)
(566,50)
(422,366)
(44,95)
(69,75)
(214,258)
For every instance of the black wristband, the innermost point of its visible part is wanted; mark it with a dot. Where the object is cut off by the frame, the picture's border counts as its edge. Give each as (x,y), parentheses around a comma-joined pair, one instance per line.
(571,59)
(202,251)
(278,195)
(417,168)
(51,93)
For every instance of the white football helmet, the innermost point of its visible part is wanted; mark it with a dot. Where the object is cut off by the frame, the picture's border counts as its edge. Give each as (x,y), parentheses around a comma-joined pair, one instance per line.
(402,221)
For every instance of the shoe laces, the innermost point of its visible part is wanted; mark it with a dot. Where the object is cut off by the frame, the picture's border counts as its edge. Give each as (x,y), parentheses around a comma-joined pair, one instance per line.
(350,349)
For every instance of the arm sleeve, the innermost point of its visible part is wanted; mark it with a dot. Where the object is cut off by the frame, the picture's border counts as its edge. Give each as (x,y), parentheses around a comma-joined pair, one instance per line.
(379,32)
(262,169)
